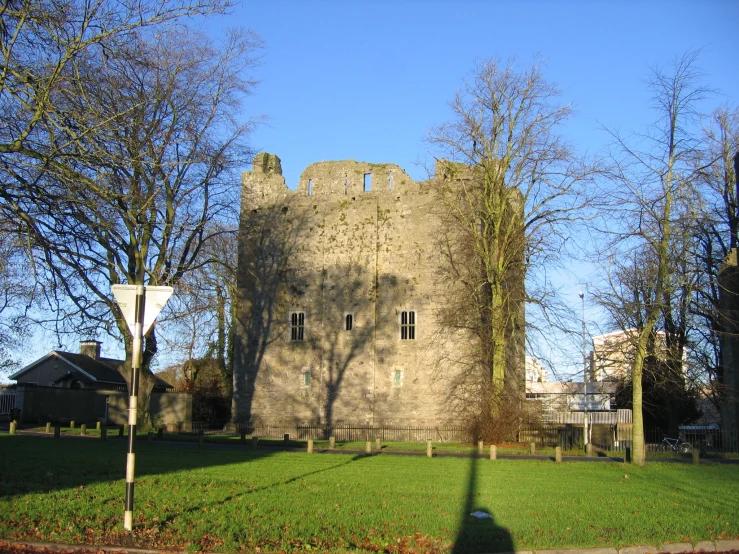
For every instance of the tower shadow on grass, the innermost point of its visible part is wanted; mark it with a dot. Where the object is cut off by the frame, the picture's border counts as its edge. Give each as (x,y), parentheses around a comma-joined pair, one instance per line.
(478,535)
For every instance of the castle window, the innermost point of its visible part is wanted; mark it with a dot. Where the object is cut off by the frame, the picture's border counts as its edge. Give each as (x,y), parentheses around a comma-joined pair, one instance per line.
(348,322)
(367,182)
(346,184)
(390,181)
(306,378)
(398,378)
(408,325)
(310,187)
(297,326)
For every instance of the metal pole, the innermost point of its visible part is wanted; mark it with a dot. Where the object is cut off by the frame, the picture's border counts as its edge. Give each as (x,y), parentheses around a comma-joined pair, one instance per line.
(133,405)
(586,434)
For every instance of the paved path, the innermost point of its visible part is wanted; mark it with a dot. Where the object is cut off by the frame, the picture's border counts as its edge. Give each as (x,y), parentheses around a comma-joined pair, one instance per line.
(725,546)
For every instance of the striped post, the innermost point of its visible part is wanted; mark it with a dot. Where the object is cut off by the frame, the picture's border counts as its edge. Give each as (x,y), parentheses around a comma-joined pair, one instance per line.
(133,406)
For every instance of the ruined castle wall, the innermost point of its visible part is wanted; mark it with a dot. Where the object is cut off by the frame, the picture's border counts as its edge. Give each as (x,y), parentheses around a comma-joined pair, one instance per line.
(328,250)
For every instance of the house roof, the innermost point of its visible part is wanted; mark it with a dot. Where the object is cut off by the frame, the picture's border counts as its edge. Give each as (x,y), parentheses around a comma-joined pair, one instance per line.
(102,370)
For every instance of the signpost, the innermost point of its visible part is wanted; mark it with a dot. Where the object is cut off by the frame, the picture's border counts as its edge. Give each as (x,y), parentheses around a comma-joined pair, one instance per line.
(140,306)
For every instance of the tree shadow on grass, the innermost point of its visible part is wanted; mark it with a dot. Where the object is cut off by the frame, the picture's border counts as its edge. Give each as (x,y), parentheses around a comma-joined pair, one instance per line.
(479,534)
(31,464)
(252,490)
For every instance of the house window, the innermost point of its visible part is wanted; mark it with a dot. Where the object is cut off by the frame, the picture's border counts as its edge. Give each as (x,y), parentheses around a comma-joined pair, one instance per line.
(348,322)
(408,325)
(398,378)
(306,378)
(297,326)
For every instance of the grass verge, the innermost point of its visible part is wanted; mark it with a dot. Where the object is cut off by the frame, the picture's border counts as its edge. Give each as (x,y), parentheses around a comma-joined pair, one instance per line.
(232,500)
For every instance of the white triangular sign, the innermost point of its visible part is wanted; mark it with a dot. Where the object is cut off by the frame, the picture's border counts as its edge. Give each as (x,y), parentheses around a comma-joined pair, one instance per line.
(154,300)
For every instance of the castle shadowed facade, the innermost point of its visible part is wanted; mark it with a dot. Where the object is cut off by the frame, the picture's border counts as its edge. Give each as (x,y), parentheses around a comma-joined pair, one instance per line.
(340,291)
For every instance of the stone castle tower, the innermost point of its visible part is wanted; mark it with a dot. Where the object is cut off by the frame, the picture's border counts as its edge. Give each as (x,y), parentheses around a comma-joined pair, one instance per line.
(339,296)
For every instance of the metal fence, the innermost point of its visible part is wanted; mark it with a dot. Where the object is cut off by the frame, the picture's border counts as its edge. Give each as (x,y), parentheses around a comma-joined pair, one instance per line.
(709,440)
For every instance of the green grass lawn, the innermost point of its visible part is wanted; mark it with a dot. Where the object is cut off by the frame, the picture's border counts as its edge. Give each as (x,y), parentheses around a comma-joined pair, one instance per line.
(232,499)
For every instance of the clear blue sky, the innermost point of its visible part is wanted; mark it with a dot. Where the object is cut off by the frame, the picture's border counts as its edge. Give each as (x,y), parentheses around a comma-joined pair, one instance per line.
(366,80)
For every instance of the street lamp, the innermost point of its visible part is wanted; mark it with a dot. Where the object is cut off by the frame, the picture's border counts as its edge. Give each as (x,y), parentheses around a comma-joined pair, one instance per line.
(585,373)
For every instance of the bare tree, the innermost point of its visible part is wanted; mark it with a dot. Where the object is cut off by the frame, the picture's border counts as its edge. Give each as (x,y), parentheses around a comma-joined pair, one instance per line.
(16,295)
(716,233)
(41,41)
(652,194)
(199,317)
(137,168)
(511,186)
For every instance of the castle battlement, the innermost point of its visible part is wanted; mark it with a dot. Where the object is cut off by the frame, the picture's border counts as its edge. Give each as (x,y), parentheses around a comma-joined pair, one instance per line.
(345,178)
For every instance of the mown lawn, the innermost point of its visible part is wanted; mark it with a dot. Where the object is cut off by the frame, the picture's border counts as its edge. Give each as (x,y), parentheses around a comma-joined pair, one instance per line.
(231,499)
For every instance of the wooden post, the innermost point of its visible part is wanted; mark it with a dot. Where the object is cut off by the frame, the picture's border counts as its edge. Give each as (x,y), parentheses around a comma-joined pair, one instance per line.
(71,424)
(696,457)
(589,449)
(533,448)
(160,433)
(332,442)
(97,425)
(57,430)
(368,448)
(378,444)
(480,447)
(48,427)
(243,437)
(493,452)
(429,449)
(201,438)
(103,433)
(83,429)
(310,446)
(13,427)
(254,440)
(627,455)
(558,454)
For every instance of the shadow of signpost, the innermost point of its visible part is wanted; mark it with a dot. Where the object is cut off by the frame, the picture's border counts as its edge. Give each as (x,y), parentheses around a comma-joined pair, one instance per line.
(479,534)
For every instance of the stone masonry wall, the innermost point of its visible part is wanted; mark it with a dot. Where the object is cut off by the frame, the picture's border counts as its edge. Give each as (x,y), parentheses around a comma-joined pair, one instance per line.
(333,248)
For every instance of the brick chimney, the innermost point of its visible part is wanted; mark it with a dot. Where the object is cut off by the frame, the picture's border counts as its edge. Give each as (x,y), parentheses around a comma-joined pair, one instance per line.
(90,348)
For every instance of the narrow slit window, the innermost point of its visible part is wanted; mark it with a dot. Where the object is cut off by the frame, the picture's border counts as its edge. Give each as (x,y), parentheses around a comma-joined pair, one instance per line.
(398,378)
(297,326)
(306,378)
(310,187)
(408,325)
(367,182)
(390,181)
(349,322)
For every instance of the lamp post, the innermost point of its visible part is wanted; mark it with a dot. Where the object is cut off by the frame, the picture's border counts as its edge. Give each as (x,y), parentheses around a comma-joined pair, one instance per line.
(585,373)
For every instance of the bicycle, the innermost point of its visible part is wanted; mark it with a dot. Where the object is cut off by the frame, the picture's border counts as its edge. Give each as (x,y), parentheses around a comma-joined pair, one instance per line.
(676,445)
